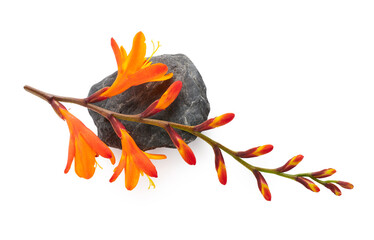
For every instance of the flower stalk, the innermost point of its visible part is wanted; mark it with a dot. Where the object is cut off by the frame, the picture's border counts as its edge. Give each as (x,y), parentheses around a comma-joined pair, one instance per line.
(301,178)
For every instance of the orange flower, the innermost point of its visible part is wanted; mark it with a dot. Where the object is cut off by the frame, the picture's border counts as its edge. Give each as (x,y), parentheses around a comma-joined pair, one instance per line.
(84,146)
(134,162)
(133,69)
(166,99)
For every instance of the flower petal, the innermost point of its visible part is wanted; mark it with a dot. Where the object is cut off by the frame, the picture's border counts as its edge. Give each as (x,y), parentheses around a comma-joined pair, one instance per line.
(136,57)
(137,155)
(132,173)
(119,168)
(71,153)
(85,162)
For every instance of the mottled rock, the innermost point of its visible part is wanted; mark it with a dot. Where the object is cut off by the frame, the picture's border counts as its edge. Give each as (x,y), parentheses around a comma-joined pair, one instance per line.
(190,108)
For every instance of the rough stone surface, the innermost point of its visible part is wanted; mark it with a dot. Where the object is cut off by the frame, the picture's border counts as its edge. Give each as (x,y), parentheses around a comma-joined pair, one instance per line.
(190,108)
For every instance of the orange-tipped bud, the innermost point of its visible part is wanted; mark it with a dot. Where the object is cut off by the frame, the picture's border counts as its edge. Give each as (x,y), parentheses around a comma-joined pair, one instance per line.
(95,97)
(290,164)
(308,184)
(166,99)
(255,152)
(324,173)
(333,189)
(262,185)
(345,185)
(215,122)
(184,150)
(220,165)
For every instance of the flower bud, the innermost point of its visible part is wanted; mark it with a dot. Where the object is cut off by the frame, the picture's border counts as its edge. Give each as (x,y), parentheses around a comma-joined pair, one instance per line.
(262,185)
(220,165)
(324,173)
(290,164)
(184,150)
(333,189)
(345,185)
(308,184)
(215,122)
(255,152)
(166,99)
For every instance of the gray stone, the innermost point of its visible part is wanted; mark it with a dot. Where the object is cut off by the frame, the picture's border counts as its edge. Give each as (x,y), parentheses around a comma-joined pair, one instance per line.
(190,108)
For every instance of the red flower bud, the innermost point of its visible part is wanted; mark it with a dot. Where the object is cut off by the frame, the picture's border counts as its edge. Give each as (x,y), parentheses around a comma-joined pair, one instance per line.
(290,164)
(220,166)
(184,150)
(262,185)
(255,152)
(333,189)
(308,184)
(324,173)
(166,99)
(345,185)
(215,122)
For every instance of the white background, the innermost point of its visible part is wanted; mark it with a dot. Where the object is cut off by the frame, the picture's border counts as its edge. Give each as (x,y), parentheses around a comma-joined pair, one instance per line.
(297,74)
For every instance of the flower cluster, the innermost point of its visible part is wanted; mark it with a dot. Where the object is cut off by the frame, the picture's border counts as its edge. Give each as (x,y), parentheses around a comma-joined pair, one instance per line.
(135,69)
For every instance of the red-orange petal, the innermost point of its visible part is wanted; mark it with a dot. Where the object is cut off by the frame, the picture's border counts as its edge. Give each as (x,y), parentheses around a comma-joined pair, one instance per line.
(119,168)
(85,162)
(117,52)
(137,155)
(132,173)
(71,154)
(136,57)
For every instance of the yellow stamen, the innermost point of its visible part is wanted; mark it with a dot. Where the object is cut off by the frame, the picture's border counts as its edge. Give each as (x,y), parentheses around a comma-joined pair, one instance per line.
(154,51)
(151,183)
(98,165)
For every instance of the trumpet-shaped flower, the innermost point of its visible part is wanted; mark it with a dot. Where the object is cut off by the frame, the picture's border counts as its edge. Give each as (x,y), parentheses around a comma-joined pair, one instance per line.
(134,162)
(84,146)
(133,69)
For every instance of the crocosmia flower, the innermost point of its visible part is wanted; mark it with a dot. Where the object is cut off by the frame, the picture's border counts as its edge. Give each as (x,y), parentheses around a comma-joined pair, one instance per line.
(84,147)
(134,162)
(133,68)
